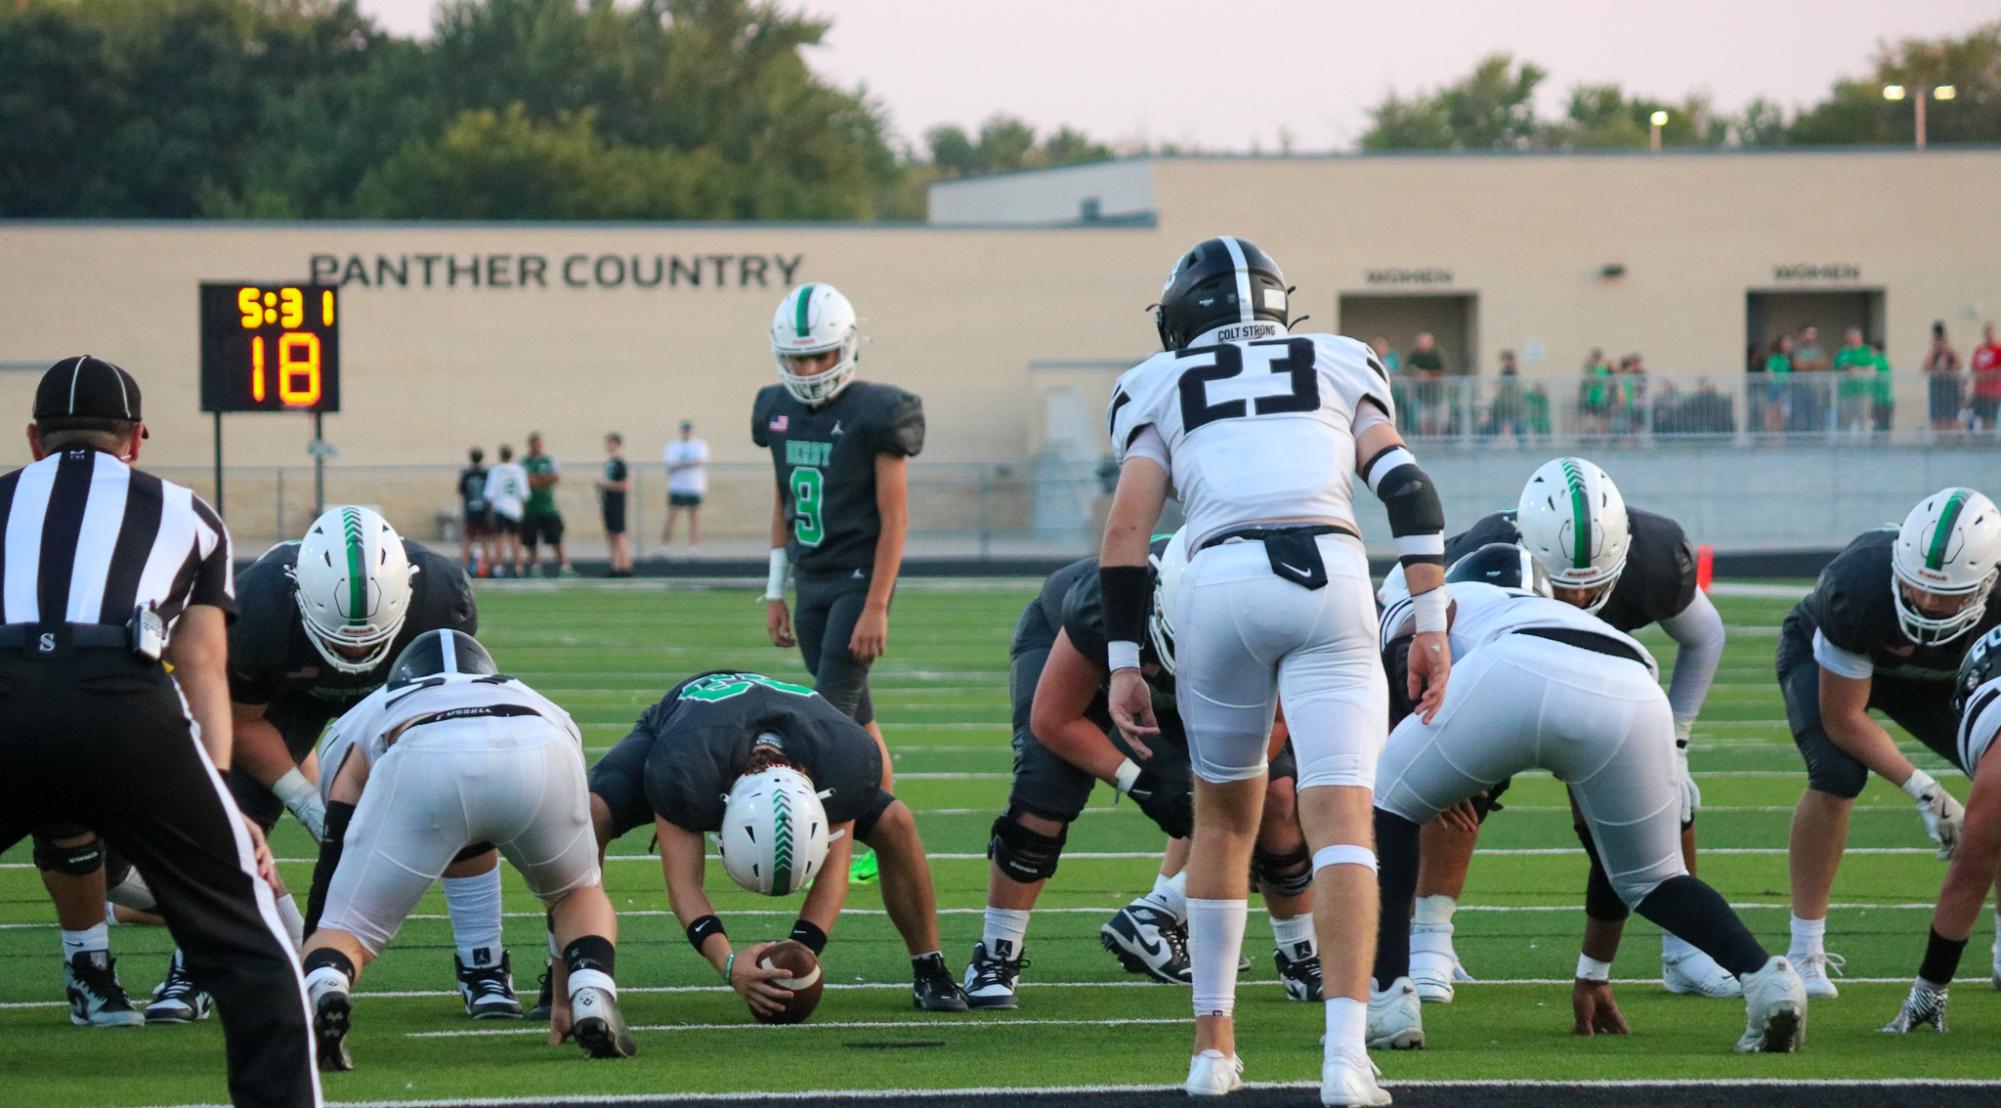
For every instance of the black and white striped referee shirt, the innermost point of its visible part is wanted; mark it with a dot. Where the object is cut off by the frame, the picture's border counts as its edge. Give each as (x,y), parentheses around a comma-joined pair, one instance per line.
(88,539)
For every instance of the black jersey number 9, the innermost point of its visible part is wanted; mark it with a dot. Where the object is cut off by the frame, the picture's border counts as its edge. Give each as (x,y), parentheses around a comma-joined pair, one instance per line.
(1292,357)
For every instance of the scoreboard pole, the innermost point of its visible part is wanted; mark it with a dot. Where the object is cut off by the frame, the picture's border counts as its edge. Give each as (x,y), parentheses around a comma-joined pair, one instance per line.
(219,509)
(319,468)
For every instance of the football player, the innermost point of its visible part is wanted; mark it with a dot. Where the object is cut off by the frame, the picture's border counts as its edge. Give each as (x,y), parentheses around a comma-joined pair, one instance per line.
(322,620)
(446,754)
(1632,568)
(1258,431)
(1885,627)
(1976,697)
(840,449)
(705,759)
(1064,743)
(1537,683)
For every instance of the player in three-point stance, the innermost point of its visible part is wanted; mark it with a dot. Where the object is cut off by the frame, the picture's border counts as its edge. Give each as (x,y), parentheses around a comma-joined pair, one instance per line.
(1537,683)
(1885,627)
(447,754)
(1064,743)
(1976,697)
(1631,568)
(840,448)
(1258,432)
(716,755)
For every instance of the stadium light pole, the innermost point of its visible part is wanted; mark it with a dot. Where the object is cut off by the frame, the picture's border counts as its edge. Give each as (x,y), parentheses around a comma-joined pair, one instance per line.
(1918,94)
(1655,121)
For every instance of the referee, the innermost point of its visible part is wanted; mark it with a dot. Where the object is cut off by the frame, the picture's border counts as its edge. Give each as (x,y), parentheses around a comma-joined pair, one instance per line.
(98,562)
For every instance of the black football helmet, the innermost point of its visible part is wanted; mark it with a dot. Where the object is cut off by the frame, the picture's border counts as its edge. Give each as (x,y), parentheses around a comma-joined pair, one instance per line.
(1220,280)
(1503,564)
(444,651)
(1981,665)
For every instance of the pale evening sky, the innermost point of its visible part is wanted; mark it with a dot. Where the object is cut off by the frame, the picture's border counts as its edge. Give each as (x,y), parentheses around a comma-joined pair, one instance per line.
(1181,71)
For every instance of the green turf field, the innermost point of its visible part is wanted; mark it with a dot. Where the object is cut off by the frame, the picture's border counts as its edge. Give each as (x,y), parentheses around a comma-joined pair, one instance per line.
(605,653)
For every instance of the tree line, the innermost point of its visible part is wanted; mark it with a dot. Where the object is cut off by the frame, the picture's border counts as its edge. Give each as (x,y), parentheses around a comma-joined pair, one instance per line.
(661,109)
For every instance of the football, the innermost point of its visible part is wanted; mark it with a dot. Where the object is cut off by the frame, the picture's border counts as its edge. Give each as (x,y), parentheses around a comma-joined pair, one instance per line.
(805,981)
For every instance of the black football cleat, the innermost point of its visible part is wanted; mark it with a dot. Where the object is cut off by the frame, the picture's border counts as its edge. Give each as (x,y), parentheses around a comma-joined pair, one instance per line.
(488,990)
(933,989)
(991,976)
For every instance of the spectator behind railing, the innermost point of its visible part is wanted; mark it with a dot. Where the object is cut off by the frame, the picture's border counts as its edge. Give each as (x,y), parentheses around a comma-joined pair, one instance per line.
(1631,397)
(1986,394)
(1884,408)
(1508,413)
(1399,389)
(1855,389)
(1942,384)
(1594,395)
(1810,394)
(1778,385)
(1429,366)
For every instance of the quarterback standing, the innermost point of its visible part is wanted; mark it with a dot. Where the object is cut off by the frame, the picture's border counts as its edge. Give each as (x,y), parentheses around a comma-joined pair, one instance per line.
(840,511)
(1632,568)
(1885,627)
(1258,432)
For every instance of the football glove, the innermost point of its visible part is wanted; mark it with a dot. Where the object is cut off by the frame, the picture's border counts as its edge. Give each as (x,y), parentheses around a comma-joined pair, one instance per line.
(1941,813)
(303,798)
(1925,1005)
(1684,781)
(1168,803)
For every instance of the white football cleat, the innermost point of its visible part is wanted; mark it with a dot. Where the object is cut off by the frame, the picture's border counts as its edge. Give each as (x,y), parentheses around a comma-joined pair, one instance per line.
(1434,965)
(1813,971)
(1697,974)
(1775,1010)
(1396,1018)
(1213,1073)
(1346,1083)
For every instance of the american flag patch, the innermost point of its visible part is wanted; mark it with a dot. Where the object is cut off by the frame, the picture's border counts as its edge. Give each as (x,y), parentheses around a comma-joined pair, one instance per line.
(779,423)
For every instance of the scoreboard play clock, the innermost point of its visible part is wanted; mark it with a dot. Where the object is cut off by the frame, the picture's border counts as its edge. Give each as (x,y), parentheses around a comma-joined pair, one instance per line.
(270,347)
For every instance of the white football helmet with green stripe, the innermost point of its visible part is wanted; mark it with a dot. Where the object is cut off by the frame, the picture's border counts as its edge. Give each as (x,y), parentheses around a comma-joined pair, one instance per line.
(812,320)
(1572,518)
(352,582)
(1945,563)
(775,837)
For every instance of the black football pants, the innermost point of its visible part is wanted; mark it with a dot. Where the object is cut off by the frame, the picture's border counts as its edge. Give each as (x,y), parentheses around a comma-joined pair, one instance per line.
(829,605)
(100,738)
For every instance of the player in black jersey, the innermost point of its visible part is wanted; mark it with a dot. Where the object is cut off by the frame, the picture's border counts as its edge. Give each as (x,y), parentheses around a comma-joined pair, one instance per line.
(839,448)
(322,620)
(1885,627)
(1632,568)
(1976,699)
(675,771)
(1064,744)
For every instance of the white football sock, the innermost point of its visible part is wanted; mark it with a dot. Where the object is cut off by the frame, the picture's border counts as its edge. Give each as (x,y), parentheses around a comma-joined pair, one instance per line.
(325,978)
(88,939)
(1215,941)
(1433,913)
(1808,935)
(591,979)
(1289,933)
(474,903)
(295,923)
(1170,895)
(1347,1029)
(1005,925)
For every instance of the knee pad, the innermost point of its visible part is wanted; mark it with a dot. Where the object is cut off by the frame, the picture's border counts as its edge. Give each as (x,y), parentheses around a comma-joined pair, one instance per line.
(1291,874)
(70,861)
(1344,854)
(1025,855)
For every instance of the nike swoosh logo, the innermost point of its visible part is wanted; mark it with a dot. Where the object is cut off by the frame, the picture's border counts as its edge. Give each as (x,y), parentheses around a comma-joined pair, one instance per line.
(1295,569)
(1154,948)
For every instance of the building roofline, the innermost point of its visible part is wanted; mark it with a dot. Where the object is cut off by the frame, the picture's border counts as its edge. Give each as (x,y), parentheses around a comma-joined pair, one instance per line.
(1139,220)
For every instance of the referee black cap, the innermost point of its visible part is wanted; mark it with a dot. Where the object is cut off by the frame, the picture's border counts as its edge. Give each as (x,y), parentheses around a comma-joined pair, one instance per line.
(87,387)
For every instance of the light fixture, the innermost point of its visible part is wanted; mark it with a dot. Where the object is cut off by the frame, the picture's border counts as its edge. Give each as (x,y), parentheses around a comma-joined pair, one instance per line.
(1658,119)
(1893,92)
(1945,92)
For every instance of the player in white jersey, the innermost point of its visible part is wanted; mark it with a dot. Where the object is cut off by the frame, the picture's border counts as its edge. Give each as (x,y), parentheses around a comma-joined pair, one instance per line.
(1538,683)
(1976,697)
(447,754)
(1258,432)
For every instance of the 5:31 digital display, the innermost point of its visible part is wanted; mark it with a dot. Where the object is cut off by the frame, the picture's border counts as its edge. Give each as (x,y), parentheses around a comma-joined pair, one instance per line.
(269,347)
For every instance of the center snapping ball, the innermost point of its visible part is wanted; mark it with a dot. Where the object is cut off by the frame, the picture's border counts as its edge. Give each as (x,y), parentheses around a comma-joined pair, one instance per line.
(803,978)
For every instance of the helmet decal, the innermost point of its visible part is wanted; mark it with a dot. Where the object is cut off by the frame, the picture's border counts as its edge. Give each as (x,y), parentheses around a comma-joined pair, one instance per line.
(1942,535)
(1236,249)
(781,837)
(357,580)
(1580,510)
(803,322)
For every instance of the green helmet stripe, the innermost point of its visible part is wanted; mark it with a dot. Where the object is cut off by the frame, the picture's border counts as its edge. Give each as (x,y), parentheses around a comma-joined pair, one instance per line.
(357,579)
(1942,536)
(799,318)
(1580,510)
(781,842)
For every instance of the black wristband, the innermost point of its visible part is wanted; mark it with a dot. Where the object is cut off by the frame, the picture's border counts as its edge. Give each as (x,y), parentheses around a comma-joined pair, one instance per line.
(1127,591)
(700,930)
(1941,959)
(809,934)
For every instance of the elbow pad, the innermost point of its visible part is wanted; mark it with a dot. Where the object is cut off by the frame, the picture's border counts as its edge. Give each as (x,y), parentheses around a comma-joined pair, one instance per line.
(1417,519)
